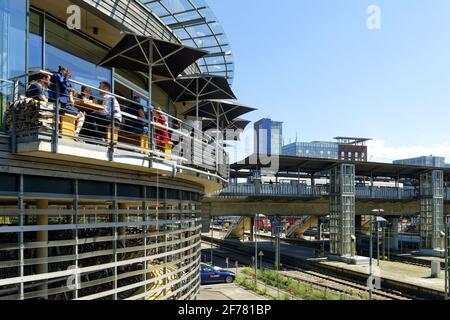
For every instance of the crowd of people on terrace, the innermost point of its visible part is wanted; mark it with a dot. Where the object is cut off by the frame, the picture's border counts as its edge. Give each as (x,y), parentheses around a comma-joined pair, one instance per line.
(95,123)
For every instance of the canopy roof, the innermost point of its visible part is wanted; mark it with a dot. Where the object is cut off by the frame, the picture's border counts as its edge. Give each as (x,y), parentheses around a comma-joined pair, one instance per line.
(312,165)
(196,25)
(167,59)
(237,124)
(199,86)
(223,110)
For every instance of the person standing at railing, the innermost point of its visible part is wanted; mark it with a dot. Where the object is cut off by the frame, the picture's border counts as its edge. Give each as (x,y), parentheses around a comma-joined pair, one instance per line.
(162,134)
(60,84)
(102,119)
(38,90)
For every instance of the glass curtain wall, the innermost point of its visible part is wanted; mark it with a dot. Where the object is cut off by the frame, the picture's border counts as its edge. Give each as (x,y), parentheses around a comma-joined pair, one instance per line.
(64,47)
(52,45)
(12,47)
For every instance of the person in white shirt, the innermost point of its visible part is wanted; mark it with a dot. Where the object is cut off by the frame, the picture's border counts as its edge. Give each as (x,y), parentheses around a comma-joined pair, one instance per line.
(102,119)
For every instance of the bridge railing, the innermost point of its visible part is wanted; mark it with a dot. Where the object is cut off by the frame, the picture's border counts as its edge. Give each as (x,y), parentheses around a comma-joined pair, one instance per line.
(304,191)
(274,190)
(386,193)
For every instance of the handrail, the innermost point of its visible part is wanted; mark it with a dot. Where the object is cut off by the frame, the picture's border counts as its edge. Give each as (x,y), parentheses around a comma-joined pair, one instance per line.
(157,131)
(41,71)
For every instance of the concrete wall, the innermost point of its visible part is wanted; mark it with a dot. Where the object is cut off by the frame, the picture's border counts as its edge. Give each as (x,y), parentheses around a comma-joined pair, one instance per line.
(318,207)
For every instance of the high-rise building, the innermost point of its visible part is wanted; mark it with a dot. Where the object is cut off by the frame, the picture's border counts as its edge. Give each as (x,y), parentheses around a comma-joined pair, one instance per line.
(268,137)
(425,161)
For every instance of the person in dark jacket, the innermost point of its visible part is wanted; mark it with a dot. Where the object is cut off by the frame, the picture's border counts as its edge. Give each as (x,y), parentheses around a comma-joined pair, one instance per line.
(61,87)
(38,90)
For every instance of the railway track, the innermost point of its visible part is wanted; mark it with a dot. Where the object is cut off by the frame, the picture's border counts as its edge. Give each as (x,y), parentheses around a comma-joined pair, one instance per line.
(313,278)
(317,245)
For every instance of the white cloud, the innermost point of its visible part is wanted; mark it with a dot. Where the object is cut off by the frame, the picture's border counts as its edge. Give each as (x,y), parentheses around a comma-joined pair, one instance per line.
(381,151)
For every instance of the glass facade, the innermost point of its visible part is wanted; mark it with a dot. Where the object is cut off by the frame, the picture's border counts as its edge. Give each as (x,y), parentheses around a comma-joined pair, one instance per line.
(62,47)
(12,47)
(35,40)
(268,137)
(196,26)
(437,162)
(13,37)
(326,150)
(66,48)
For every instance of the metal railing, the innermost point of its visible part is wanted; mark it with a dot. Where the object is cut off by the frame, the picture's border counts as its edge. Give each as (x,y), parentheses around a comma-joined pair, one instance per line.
(142,130)
(272,190)
(305,191)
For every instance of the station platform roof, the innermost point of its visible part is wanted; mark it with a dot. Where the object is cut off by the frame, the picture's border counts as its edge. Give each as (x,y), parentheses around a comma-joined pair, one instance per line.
(289,164)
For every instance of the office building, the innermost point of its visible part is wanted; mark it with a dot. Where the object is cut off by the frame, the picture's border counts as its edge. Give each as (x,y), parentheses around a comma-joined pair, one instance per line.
(343,148)
(425,161)
(268,137)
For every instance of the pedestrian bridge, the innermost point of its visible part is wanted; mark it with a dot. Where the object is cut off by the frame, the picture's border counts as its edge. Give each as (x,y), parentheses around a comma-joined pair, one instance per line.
(244,199)
(301,191)
(350,189)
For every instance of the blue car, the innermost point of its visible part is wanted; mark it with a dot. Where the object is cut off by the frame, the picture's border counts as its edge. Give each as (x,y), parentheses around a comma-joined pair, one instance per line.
(210,275)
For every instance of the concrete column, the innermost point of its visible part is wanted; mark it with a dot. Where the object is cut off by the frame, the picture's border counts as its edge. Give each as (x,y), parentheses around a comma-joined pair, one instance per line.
(393,233)
(206,218)
(42,236)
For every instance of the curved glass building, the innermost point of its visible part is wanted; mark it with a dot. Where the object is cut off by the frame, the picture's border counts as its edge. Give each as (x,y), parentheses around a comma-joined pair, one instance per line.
(116,215)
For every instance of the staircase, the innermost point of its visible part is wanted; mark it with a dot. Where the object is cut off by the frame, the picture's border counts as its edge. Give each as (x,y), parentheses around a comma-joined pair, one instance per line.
(238,228)
(301,226)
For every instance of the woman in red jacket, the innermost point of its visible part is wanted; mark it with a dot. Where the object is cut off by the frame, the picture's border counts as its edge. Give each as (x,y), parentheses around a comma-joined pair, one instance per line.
(161,134)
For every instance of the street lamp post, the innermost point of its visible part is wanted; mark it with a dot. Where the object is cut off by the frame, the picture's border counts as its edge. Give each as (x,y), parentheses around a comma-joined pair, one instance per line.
(378,219)
(370,261)
(378,244)
(256,245)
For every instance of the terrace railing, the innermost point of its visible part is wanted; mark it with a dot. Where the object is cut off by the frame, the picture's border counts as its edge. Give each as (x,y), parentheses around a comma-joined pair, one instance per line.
(140,130)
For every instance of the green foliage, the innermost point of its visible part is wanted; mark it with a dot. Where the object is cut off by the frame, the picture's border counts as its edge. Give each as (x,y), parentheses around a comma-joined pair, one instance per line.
(290,286)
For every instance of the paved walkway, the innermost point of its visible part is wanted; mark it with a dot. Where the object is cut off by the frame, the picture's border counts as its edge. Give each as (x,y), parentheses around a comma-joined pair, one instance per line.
(226,292)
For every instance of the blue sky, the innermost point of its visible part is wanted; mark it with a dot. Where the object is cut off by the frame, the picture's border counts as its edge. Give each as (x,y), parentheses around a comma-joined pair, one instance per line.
(316,66)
